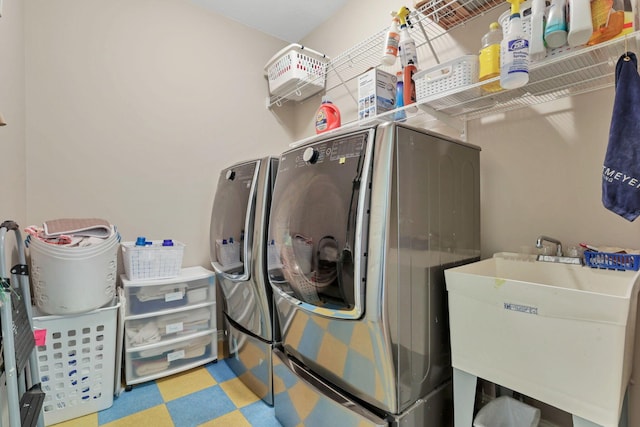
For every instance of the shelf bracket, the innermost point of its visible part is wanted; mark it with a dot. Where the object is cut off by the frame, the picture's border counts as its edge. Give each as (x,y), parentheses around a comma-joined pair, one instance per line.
(344,85)
(428,40)
(458,124)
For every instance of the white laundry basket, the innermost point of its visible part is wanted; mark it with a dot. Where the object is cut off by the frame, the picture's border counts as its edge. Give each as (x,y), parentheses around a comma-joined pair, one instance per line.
(71,280)
(76,362)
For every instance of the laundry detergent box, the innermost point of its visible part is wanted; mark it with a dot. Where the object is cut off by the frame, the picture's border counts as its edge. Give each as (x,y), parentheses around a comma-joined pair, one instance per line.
(376,93)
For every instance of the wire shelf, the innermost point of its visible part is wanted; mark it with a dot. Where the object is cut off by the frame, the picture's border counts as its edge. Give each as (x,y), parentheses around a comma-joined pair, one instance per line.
(570,72)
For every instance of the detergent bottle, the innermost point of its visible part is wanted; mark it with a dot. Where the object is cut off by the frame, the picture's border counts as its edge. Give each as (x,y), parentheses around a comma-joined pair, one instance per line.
(327,117)
(579,22)
(407,46)
(391,43)
(514,52)
(489,59)
(555,29)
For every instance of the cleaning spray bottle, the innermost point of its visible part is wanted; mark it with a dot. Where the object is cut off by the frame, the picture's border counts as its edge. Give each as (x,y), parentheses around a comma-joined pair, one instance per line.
(327,117)
(407,46)
(400,115)
(489,59)
(409,86)
(514,52)
(392,40)
(537,51)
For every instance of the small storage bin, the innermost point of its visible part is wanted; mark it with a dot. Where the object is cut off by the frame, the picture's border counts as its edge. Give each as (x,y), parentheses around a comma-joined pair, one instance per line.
(152,262)
(296,72)
(76,362)
(153,362)
(192,286)
(159,328)
(449,76)
(612,261)
(505,411)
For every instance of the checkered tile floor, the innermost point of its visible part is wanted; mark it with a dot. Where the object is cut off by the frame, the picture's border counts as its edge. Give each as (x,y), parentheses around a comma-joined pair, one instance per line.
(209,396)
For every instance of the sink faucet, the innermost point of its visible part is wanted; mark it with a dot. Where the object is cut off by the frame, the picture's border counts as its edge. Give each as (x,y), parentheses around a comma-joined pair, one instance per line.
(551,240)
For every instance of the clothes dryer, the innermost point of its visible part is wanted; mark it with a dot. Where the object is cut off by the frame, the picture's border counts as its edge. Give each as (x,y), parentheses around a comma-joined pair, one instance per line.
(238,255)
(362,225)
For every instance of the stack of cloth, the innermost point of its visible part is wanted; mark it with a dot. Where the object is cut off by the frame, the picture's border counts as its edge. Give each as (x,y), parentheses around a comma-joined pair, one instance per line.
(149,331)
(72,231)
(159,359)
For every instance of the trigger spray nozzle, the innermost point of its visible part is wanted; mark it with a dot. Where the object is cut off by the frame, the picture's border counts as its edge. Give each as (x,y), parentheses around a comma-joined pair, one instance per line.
(515,6)
(403,16)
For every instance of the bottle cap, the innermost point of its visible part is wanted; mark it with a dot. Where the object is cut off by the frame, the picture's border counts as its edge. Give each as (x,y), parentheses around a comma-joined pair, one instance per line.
(167,242)
(141,241)
(494,26)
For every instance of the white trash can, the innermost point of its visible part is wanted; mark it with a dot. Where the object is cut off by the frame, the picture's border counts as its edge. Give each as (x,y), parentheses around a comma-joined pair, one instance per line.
(505,411)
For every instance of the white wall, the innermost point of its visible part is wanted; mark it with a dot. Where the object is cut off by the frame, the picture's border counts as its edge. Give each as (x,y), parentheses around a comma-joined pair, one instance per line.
(133,109)
(12,107)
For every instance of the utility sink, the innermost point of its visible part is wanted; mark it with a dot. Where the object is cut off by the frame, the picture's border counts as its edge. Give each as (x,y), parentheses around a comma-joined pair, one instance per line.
(559,333)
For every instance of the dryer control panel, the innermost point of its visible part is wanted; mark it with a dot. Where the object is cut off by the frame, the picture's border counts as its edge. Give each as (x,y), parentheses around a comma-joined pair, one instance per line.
(337,150)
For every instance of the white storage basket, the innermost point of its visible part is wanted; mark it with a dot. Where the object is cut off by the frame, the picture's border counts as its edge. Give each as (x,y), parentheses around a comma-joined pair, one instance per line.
(59,274)
(296,72)
(448,76)
(76,362)
(152,262)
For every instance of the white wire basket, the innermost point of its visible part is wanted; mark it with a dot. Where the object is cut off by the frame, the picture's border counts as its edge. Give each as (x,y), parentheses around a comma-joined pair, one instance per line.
(452,75)
(152,262)
(296,72)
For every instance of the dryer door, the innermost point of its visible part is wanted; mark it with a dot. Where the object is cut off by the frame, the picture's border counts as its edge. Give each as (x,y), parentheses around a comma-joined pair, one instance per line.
(314,256)
(232,220)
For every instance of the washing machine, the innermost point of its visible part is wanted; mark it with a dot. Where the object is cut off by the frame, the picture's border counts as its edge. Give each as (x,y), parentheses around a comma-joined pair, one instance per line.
(362,225)
(238,255)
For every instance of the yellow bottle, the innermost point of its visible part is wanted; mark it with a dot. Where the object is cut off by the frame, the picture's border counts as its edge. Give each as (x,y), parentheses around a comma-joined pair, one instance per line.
(489,58)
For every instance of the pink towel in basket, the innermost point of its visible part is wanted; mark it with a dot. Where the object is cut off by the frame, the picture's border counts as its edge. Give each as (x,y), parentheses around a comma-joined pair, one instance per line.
(93,227)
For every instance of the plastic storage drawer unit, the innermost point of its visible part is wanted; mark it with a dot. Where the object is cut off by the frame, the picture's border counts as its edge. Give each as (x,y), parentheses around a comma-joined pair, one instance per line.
(169,324)
(192,286)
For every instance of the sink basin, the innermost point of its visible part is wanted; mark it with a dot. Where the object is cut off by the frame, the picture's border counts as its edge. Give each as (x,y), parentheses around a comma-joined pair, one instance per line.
(560,333)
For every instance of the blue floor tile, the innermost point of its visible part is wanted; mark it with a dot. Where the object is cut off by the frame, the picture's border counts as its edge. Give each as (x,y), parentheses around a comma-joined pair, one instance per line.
(211,403)
(260,414)
(220,371)
(140,398)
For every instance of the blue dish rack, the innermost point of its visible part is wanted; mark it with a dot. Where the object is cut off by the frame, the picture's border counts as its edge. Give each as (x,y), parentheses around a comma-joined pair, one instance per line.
(612,261)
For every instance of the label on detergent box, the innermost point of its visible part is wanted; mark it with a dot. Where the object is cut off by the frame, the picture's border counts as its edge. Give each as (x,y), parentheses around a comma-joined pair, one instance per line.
(172,328)
(176,355)
(521,308)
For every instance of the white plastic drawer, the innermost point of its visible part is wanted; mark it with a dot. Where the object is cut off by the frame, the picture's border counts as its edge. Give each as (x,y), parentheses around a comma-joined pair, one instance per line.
(151,362)
(164,327)
(194,285)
